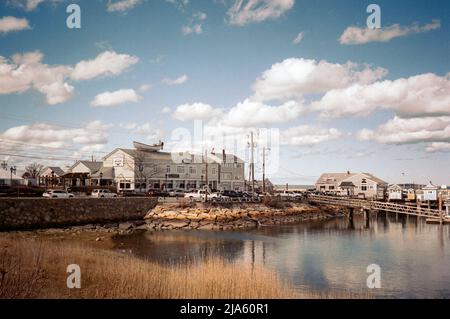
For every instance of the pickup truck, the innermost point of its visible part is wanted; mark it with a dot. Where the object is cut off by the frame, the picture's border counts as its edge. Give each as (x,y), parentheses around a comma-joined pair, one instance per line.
(200,195)
(290,195)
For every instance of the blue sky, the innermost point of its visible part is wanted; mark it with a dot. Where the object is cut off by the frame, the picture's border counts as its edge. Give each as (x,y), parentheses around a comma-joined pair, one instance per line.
(156,66)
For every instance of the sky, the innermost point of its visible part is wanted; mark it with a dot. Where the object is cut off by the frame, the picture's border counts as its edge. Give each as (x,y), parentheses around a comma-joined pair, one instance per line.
(319,90)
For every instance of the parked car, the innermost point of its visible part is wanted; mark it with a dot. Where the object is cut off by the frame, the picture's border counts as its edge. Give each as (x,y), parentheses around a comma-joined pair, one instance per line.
(176,193)
(230,194)
(56,193)
(103,193)
(201,194)
(130,193)
(157,193)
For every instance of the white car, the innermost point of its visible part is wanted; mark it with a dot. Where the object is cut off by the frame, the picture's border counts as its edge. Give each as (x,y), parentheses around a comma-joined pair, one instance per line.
(103,193)
(56,193)
(201,194)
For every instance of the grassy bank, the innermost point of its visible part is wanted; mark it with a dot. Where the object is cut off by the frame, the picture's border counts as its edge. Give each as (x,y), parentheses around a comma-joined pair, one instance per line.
(37,269)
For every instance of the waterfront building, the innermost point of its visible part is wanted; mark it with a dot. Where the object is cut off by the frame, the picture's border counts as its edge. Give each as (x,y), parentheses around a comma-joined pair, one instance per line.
(51,176)
(8,179)
(430,192)
(147,167)
(79,174)
(348,184)
(395,192)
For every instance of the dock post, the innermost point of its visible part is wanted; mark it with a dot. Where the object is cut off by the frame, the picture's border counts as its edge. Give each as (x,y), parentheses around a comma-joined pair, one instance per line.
(441,212)
(419,208)
(350,217)
(367,215)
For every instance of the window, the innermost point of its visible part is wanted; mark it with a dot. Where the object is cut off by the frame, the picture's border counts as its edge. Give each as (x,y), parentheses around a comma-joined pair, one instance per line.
(168,169)
(214,171)
(192,170)
(364,188)
(180,170)
(331,188)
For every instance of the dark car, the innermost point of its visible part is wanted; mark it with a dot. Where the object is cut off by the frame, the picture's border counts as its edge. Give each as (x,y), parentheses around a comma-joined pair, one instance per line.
(157,193)
(231,194)
(130,193)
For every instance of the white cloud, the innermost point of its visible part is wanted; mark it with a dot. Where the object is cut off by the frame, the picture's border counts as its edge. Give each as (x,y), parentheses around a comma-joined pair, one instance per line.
(294,77)
(438,147)
(116,98)
(407,131)
(148,130)
(166,110)
(298,38)
(356,35)
(195,111)
(306,135)
(25,71)
(94,133)
(31,5)
(145,87)
(121,5)
(179,4)
(108,63)
(11,24)
(243,12)
(245,114)
(195,26)
(252,113)
(424,94)
(182,79)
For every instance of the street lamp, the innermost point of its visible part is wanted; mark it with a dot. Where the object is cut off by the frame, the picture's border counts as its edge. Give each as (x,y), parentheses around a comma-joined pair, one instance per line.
(101,176)
(13,171)
(141,169)
(5,165)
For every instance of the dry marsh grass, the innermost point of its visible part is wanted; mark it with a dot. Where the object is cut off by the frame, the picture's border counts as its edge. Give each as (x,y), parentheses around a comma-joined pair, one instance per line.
(33,269)
(36,268)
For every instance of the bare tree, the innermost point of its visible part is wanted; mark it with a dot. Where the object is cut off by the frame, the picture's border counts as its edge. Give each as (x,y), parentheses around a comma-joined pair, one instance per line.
(145,168)
(34,170)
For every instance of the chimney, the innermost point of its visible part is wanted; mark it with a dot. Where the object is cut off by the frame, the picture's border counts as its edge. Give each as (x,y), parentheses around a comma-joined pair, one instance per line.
(224,156)
(348,172)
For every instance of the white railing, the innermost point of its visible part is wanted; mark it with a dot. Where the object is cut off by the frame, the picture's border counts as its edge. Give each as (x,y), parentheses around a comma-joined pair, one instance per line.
(375,205)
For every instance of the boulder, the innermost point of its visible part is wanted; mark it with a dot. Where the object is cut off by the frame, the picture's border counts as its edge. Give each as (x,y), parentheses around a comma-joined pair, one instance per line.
(125,226)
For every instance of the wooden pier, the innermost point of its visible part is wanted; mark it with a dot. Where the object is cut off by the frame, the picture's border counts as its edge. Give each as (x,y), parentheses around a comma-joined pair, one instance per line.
(367,205)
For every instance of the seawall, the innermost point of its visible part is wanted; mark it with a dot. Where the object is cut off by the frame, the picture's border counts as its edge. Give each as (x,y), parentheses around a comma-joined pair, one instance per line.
(32,213)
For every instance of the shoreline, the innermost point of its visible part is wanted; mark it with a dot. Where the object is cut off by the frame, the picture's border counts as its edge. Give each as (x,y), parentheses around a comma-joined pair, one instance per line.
(202,216)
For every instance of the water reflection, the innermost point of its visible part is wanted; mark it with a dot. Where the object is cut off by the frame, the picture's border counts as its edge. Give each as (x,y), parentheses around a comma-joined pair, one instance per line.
(322,255)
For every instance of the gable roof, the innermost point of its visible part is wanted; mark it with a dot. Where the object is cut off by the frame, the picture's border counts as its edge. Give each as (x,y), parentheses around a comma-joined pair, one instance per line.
(333,177)
(57,170)
(92,166)
(375,179)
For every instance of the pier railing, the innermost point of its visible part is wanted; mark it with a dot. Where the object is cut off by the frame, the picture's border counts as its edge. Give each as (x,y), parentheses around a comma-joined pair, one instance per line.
(375,205)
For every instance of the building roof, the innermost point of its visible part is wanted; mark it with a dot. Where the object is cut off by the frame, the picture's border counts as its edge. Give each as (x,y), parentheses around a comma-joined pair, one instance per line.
(346,184)
(57,170)
(92,166)
(375,179)
(395,187)
(327,178)
(107,173)
(430,186)
(6,174)
(333,177)
(178,157)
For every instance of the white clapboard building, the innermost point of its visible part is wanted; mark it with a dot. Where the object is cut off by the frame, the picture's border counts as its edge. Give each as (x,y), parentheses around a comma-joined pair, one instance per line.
(147,167)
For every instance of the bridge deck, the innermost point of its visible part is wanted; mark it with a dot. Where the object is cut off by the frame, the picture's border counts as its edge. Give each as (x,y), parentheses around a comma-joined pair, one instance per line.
(375,205)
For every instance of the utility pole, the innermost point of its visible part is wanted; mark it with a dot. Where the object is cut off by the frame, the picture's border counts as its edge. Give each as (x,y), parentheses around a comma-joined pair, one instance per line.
(264,168)
(252,163)
(206,175)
